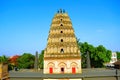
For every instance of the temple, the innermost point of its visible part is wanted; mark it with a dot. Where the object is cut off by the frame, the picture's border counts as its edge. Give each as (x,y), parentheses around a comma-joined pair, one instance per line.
(62,54)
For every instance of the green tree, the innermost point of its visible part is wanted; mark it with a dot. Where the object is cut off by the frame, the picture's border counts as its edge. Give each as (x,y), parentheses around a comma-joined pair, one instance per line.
(83,56)
(86,51)
(26,61)
(41,59)
(100,56)
(118,55)
(3,59)
(10,67)
(93,56)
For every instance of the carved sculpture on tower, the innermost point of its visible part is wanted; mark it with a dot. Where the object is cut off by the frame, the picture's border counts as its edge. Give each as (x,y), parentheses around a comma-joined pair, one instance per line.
(62,54)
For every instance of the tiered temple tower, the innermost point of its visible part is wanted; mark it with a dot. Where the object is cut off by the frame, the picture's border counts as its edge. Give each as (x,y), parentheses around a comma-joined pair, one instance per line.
(62,54)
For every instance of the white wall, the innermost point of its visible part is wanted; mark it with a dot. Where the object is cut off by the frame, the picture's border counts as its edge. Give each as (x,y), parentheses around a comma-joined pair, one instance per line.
(66,63)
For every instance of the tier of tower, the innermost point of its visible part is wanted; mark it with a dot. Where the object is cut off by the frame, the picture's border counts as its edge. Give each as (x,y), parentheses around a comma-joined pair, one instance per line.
(61,40)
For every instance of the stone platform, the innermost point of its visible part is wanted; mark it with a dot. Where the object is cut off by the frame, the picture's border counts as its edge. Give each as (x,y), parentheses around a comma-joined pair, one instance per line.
(87,74)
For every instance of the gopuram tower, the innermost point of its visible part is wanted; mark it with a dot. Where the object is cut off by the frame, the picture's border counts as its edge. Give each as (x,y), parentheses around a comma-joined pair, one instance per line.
(62,54)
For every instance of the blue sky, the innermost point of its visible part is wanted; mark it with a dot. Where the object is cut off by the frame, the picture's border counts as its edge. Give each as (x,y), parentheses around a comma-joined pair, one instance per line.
(24,24)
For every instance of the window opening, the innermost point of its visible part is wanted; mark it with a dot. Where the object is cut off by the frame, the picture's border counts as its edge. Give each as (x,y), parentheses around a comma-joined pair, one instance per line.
(62,51)
(61,24)
(61,40)
(61,31)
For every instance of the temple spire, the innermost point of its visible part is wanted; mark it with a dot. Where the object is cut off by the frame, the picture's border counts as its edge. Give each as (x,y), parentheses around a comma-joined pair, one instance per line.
(62,54)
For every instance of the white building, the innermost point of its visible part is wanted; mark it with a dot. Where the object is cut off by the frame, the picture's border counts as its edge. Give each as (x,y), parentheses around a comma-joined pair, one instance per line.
(113,57)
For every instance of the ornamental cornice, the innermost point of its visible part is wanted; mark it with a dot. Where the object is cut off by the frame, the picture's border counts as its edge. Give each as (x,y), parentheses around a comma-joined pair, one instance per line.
(54,35)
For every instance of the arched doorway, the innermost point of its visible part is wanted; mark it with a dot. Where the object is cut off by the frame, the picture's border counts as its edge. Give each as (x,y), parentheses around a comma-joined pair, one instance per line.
(62,67)
(74,66)
(51,67)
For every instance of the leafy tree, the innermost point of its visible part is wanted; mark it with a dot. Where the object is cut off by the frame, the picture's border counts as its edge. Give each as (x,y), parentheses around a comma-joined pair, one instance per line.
(93,56)
(10,67)
(26,61)
(3,59)
(41,59)
(118,55)
(100,56)
(80,45)
(86,51)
